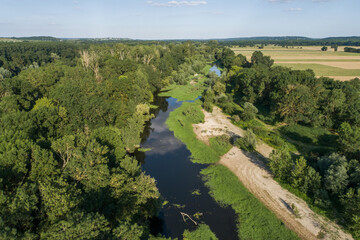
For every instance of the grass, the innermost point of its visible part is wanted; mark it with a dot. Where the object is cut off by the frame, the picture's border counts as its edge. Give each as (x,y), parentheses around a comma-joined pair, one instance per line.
(310,135)
(255,220)
(180,122)
(206,69)
(203,232)
(184,92)
(322,70)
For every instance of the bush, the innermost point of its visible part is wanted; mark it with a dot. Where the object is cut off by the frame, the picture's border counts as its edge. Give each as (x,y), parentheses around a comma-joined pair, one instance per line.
(248,142)
(236,118)
(250,111)
(208,106)
(221,144)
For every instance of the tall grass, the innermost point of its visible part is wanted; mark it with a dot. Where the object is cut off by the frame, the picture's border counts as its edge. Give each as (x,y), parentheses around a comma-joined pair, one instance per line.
(255,220)
(310,135)
(185,92)
(203,232)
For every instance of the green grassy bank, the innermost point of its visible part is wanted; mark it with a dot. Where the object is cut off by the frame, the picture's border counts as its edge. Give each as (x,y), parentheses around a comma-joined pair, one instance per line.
(255,221)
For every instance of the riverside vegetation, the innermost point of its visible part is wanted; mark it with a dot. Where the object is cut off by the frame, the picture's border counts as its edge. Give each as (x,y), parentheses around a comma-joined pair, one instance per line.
(72,115)
(319,117)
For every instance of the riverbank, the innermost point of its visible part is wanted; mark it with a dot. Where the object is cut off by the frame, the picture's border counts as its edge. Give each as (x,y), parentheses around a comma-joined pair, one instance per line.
(255,221)
(253,173)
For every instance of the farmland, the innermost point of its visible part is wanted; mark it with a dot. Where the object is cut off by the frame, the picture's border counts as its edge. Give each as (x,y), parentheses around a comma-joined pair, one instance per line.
(339,65)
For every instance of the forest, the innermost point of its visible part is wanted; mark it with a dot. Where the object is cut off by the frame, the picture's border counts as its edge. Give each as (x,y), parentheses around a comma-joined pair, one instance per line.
(71,118)
(299,106)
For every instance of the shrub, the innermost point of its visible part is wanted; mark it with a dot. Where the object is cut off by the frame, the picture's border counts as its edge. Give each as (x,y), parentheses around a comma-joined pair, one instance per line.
(248,142)
(236,118)
(250,111)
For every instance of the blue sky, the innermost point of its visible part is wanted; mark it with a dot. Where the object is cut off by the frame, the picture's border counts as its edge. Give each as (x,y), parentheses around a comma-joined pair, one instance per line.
(168,19)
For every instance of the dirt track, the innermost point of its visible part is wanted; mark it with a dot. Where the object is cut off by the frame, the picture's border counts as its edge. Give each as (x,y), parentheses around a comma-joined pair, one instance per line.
(253,173)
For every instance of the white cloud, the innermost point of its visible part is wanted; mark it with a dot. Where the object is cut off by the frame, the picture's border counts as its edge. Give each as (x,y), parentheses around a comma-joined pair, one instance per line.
(293,10)
(279,1)
(177,3)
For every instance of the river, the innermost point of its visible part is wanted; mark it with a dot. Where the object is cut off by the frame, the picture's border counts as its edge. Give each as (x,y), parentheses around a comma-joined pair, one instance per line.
(179,181)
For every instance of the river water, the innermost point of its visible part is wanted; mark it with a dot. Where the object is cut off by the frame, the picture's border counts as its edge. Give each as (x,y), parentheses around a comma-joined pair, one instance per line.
(178,178)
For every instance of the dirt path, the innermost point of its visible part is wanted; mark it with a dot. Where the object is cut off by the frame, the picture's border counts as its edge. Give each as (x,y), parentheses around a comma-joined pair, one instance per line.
(253,173)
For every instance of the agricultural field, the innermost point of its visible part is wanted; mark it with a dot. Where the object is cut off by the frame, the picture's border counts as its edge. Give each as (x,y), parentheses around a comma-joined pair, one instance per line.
(339,65)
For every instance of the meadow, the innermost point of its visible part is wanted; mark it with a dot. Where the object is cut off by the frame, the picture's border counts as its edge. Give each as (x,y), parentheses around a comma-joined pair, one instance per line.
(339,65)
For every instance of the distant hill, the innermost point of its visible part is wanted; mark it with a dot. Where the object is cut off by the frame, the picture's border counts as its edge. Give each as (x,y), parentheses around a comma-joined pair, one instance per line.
(265,38)
(37,38)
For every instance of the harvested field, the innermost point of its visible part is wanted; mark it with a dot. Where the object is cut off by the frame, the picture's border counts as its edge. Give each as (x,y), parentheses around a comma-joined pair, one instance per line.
(340,65)
(344,65)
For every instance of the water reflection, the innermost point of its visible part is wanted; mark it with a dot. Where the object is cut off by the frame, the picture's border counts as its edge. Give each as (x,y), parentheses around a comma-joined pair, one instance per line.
(177,177)
(216,70)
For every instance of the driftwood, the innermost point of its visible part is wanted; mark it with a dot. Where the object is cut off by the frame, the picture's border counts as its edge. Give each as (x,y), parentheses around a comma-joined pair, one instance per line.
(187,215)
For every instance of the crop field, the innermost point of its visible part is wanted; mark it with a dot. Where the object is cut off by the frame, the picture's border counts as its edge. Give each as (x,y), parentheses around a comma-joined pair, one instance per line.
(339,65)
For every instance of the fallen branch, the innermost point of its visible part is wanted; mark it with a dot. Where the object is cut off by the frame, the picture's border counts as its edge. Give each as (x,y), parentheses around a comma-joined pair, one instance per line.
(187,215)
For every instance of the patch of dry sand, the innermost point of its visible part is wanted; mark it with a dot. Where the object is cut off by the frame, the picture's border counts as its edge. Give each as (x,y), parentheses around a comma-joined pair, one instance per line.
(253,173)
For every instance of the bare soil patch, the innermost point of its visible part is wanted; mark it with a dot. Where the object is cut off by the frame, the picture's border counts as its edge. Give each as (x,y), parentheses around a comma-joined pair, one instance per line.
(253,173)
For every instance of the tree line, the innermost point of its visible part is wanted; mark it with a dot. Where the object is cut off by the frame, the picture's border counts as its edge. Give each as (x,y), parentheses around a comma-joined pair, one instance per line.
(350,49)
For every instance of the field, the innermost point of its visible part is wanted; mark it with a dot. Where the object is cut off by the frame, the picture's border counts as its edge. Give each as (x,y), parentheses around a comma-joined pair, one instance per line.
(338,65)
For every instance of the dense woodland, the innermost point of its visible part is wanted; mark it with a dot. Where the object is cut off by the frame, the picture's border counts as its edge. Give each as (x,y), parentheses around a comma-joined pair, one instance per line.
(278,95)
(71,117)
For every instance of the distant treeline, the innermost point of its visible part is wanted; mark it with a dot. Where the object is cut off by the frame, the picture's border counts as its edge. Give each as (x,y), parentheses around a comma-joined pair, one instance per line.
(17,56)
(291,41)
(354,50)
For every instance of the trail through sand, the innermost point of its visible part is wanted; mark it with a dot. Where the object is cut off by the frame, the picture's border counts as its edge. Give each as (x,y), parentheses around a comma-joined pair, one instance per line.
(253,173)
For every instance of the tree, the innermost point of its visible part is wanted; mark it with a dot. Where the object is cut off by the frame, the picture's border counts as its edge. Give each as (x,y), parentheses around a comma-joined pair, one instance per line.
(219,88)
(324,48)
(248,142)
(258,58)
(209,97)
(298,174)
(312,181)
(78,225)
(349,140)
(249,112)
(280,164)
(335,173)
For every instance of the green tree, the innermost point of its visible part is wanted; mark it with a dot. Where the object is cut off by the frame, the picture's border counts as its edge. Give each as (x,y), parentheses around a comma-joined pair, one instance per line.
(349,140)
(280,164)
(249,112)
(298,174)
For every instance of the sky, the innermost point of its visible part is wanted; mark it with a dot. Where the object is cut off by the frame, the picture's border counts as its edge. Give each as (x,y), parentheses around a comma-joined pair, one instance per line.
(168,19)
